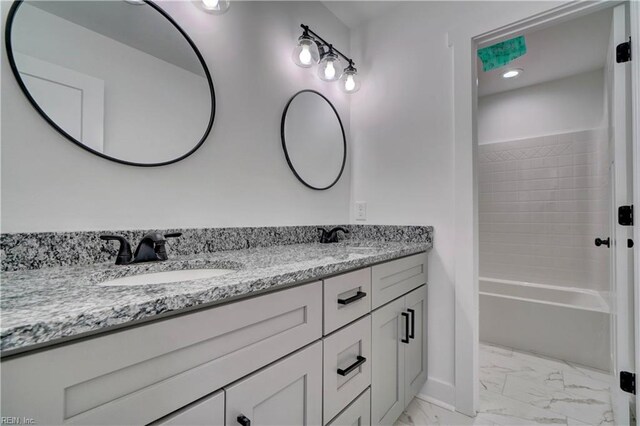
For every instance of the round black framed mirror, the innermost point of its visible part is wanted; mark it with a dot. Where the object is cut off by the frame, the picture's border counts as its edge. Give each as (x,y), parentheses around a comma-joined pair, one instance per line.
(313,140)
(120,79)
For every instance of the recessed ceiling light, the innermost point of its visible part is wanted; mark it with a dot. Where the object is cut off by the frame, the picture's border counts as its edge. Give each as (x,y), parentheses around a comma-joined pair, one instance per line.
(513,73)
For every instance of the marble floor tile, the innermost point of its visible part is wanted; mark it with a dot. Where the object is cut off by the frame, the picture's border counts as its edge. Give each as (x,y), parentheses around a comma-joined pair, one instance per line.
(491,380)
(564,366)
(587,410)
(420,413)
(506,411)
(594,409)
(519,388)
(587,386)
(486,348)
(511,365)
(574,422)
(592,373)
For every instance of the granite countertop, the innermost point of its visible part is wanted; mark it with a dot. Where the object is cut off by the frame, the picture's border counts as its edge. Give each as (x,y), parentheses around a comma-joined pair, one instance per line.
(42,306)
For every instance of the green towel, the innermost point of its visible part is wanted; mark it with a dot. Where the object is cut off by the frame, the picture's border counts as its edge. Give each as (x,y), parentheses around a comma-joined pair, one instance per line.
(500,54)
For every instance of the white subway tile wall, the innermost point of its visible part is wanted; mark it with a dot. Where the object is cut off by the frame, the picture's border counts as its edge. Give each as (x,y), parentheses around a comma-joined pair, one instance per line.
(542,202)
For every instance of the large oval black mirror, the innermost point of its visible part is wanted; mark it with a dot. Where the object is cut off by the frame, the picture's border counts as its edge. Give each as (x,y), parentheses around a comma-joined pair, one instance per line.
(120,79)
(313,140)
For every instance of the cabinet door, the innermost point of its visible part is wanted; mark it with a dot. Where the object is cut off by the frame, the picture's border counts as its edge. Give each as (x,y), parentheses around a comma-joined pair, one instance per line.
(387,363)
(358,413)
(288,392)
(415,353)
(208,411)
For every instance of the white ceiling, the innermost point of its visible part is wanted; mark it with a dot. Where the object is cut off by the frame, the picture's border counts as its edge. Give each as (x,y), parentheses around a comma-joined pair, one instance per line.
(569,48)
(354,13)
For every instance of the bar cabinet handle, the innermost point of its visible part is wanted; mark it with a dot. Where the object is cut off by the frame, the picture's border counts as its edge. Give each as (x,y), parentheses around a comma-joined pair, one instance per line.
(361,360)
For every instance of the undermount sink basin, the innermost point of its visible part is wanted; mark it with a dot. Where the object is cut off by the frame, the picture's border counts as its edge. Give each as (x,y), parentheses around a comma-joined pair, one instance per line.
(157,278)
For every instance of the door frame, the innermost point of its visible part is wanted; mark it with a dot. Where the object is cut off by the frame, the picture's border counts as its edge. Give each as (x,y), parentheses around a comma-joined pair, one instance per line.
(91,89)
(466,181)
(634,8)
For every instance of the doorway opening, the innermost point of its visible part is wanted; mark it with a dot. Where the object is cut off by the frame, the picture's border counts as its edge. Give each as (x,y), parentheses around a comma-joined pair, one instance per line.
(555,280)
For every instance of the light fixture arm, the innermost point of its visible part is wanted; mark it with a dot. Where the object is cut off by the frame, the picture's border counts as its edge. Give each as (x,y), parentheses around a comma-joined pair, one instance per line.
(329,46)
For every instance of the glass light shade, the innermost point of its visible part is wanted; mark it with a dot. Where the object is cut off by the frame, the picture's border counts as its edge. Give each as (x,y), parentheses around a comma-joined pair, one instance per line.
(305,54)
(217,7)
(349,81)
(330,68)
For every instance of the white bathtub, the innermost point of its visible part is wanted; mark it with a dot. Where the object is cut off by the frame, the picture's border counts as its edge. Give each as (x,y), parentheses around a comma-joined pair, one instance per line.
(565,323)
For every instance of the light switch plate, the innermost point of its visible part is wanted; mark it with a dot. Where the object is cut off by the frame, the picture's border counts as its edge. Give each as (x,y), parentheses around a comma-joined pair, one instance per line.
(361,210)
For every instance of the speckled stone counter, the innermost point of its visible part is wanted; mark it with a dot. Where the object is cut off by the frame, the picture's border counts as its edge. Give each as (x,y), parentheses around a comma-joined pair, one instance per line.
(51,249)
(42,306)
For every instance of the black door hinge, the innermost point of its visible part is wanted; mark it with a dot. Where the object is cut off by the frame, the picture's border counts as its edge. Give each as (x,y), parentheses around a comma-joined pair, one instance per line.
(623,52)
(625,215)
(628,382)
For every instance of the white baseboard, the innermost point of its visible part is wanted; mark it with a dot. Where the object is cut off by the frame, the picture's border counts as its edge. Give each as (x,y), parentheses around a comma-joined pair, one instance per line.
(437,402)
(439,393)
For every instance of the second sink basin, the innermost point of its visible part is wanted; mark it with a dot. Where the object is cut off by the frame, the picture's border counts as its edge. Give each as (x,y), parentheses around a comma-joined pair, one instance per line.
(166,277)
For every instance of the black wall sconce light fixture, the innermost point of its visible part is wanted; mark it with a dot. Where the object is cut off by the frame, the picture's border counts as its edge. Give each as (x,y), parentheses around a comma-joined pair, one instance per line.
(312,49)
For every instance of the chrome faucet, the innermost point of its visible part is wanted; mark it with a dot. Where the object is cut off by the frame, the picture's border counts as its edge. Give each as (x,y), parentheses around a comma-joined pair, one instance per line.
(151,248)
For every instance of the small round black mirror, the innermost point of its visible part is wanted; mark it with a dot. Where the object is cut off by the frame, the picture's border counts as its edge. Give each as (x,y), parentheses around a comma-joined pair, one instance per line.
(313,140)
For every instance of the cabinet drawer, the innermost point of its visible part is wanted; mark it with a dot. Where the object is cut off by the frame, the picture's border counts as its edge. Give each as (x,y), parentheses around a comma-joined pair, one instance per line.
(393,279)
(347,365)
(207,412)
(357,413)
(346,298)
(147,372)
(288,392)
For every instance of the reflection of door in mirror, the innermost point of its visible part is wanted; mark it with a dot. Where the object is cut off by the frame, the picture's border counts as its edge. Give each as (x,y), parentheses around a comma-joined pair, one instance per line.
(75,101)
(116,77)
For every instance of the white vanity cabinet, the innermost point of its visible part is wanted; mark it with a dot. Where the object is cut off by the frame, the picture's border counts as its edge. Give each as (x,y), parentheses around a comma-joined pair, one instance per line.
(207,411)
(347,365)
(141,374)
(288,392)
(415,353)
(350,349)
(358,413)
(347,297)
(399,359)
(391,280)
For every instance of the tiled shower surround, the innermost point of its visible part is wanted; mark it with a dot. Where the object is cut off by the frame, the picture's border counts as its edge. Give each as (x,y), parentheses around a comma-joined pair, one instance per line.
(542,202)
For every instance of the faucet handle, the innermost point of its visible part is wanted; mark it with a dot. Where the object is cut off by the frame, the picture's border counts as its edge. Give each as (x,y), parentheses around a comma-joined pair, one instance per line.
(160,249)
(339,228)
(323,234)
(333,233)
(124,252)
